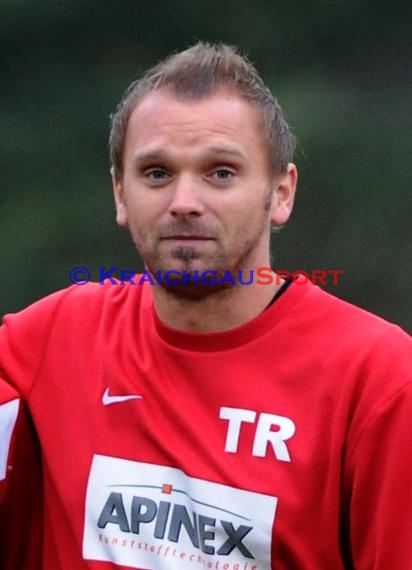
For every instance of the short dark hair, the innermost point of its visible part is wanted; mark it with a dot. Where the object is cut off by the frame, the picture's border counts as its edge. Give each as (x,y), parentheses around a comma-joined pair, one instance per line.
(195,73)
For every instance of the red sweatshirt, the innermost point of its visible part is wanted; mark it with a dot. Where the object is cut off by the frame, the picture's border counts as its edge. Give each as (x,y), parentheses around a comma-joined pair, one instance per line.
(285,443)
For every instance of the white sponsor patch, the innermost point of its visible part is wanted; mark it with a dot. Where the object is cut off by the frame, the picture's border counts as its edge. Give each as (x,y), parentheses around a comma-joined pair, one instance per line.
(157,518)
(8,416)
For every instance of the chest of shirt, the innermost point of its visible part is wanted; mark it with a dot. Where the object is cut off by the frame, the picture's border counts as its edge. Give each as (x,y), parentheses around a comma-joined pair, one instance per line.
(165,444)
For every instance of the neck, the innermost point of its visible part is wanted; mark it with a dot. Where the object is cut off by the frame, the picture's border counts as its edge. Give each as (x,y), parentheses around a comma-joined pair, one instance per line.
(223,310)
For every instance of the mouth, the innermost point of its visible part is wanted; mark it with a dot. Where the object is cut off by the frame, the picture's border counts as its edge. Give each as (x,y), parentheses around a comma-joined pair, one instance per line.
(183,237)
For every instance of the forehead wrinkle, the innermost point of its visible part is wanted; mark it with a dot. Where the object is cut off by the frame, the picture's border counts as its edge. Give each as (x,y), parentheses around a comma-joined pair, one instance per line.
(219,138)
(162,154)
(219,150)
(162,123)
(190,126)
(188,129)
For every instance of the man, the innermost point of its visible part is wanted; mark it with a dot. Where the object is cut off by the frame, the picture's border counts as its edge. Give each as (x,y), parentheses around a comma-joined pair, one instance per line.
(198,422)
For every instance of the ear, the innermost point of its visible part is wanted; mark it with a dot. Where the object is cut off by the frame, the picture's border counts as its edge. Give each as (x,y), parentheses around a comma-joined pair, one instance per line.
(284,195)
(118,192)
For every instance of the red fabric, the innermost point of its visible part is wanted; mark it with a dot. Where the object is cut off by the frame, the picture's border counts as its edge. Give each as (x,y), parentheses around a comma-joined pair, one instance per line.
(21,521)
(341,376)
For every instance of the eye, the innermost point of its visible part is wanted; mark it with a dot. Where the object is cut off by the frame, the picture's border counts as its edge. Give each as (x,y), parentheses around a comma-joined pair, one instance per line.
(157,174)
(223,174)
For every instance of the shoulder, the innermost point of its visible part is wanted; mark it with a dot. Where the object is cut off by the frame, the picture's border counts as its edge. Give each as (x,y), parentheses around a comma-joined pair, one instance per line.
(82,302)
(67,316)
(359,348)
(345,324)
(371,352)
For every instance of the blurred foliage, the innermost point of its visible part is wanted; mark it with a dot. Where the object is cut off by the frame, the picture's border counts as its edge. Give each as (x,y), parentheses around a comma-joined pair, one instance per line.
(341,70)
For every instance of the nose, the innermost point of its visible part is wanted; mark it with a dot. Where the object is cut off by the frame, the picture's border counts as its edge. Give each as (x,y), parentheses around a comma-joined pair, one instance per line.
(186,199)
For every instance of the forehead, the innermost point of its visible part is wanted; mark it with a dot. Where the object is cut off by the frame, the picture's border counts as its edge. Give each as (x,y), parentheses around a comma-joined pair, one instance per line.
(224,116)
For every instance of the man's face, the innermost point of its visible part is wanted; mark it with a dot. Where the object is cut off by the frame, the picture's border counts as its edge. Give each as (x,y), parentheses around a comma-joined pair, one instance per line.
(196,191)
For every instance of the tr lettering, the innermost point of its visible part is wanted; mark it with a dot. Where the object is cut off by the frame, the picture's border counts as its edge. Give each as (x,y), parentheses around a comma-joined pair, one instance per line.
(270,429)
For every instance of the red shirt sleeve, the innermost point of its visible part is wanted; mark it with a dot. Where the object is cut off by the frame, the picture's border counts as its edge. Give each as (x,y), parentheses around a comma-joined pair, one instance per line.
(21,516)
(379,467)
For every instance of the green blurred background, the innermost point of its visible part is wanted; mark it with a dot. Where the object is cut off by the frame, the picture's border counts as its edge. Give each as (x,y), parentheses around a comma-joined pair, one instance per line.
(341,70)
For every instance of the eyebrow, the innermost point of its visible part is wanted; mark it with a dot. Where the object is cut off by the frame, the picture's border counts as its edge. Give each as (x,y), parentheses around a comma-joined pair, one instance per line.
(149,155)
(161,154)
(226,150)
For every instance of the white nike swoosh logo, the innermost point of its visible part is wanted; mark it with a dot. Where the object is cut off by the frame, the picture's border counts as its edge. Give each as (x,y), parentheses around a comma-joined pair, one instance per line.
(107,399)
